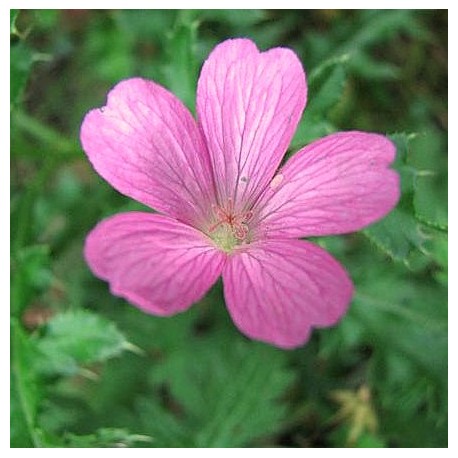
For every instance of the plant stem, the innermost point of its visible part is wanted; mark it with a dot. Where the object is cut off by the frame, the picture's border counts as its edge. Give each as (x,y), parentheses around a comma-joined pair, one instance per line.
(20,385)
(25,205)
(59,145)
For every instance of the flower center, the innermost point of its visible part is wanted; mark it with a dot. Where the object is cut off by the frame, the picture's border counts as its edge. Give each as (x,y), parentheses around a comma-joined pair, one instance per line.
(230,228)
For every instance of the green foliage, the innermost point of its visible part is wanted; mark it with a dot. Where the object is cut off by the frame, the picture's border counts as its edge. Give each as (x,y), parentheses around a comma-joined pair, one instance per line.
(329,93)
(31,275)
(104,438)
(22,57)
(430,186)
(21,63)
(402,235)
(13,18)
(209,383)
(181,69)
(326,86)
(77,338)
(397,235)
(376,379)
(376,27)
(25,392)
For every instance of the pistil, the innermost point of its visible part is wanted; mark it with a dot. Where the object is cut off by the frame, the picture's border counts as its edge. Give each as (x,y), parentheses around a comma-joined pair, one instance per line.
(230,229)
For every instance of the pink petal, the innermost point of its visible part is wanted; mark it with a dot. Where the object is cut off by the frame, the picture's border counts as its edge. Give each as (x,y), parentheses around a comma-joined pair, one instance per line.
(249,104)
(147,145)
(159,264)
(335,185)
(276,290)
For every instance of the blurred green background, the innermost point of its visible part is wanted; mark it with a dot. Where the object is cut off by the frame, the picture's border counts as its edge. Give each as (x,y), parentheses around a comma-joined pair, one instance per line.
(89,370)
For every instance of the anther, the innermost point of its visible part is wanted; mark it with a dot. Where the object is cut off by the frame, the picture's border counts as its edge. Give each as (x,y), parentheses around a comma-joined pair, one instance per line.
(236,223)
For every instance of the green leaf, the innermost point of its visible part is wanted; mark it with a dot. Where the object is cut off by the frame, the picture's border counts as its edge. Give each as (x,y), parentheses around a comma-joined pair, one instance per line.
(13,18)
(397,235)
(238,19)
(181,70)
(230,394)
(25,391)
(47,20)
(437,246)
(325,91)
(407,172)
(144,26)
(380,25)
(248,409)
(31,275)
(326,67)
(405,324)
(329,93)
(429,159)
(53,141)
(167,429)
(105,438)
(430,200)
(369,440)
(76,338)
(372,69)
(309,129)
(405,317)
(21,59)
(108,51)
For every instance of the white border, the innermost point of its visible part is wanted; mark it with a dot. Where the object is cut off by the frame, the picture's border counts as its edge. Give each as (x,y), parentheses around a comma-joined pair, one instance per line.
(173,4)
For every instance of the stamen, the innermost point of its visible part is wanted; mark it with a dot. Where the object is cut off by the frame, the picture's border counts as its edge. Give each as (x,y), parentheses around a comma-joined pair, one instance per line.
(237,223)
(230,206)
(212,228)
(247,216)
(240,231)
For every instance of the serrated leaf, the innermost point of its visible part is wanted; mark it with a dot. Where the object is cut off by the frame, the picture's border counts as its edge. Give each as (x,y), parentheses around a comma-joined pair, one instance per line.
(329,93)
(429,160)
(430,200)
(229,394)
(407,173)
(403,317)
(76,338)
(167,429)
(397,235)
(402,141)
(437,246)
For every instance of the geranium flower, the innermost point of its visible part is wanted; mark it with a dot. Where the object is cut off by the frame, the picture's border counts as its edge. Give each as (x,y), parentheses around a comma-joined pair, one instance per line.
(224,206)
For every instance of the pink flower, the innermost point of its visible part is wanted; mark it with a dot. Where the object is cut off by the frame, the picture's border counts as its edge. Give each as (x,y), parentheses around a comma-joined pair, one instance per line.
(224,207)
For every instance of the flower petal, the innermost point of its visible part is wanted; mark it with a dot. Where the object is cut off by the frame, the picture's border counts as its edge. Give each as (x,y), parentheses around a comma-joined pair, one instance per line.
(249,104)
(157,263)
(276,290)
(147,145)
(335,185)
